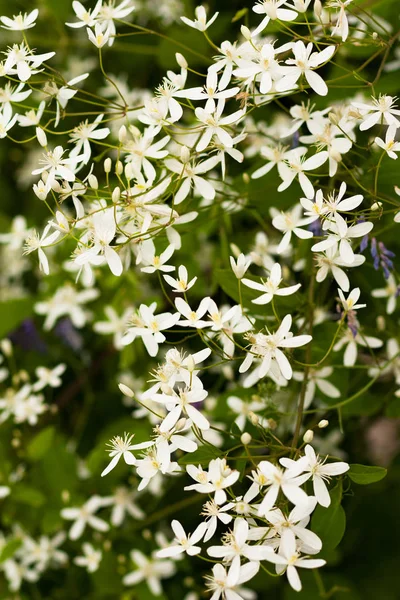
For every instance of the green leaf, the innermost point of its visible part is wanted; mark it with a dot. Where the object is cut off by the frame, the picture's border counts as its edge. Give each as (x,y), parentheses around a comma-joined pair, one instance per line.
(9,549)
(202,455)
(13,313)
(330,523)
(41,443)
(240,13)
(25,494)
(364,475)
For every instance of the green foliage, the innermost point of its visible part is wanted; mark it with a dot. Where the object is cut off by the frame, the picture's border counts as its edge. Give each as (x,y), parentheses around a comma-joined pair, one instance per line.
(364,475)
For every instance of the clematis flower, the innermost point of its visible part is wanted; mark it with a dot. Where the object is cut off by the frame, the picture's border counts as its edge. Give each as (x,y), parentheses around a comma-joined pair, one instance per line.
(122,447)
(200,23)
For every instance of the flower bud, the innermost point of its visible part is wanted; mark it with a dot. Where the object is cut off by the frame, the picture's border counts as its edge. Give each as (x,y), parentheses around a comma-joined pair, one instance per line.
(122,134)
(92,179)
(318,8)
(191,365)
(308,436)
(246,33)
(119,167)
(126,390)
(322,424)
(180,424)
(40,190)
(55,186)
(107,165)
(185,154)
(65,496)
(245,438)
(128,171)
(381,323)
(254,418)
(116,195)
(41,137)
(376,206)
(6,347)
(181,60)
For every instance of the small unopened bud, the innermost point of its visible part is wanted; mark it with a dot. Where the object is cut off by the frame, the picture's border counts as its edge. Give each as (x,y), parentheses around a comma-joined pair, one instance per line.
(181,60)
(322,424)
(41,137)
(116,195)
(381,323)
(246,178)
(245,438)
(65,496)
(119,167)
(374,35)
(107,165)
(246,33)
(23,375)
(93,182)
(185,154)
(191,365)
(334,119)
(107,545)
(318,8)
(308,436)
(180,424)
(15,443)
(376,206)
(55,186)
(146,533)
(128,171)
(126,390)
(6,347)
(122,134)
(272,424)
(254,418)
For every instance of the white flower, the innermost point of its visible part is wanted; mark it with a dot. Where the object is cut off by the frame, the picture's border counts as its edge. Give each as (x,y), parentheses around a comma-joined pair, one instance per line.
(123,447)
(189,175)
(149,570)
(213,513)
(66,301)
(152,465)
(290,222)
(213,125)
(48,377)
(149,326)
(240,266)
(320,472)
(200,23)
(110,13)
(382,110)
(21,61)
(218,477)
(332,261)
(289,558)
(56,166)
(181,284)
(391,292)
(7,121)
(334,204)
(270,287)
(351,342)
(182,542)
(275,156)
(389,145)
(104,226)
(83,133)
(295,165)
(243,409)
(296,522)
(9,94)
(267,347)
(87,18)
(183,401)
(152,261)
(20,22)
(99,38)
(272,10)
(317,380)
(236,545)
(85,516)
(342,238)
(210,92)
(350,303)
(91,558)
(34,242)
(342,24)
(226,583)
(193,318)
(304,61)
(288,481)
(123,501)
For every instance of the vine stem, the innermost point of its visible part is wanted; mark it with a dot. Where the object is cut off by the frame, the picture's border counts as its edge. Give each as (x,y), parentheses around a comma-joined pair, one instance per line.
(300,408)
